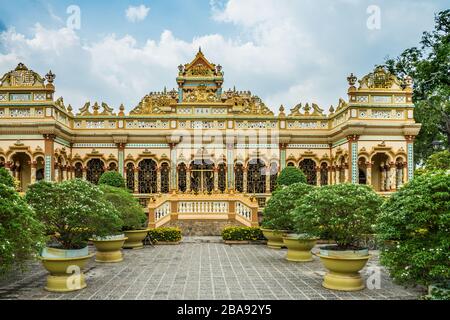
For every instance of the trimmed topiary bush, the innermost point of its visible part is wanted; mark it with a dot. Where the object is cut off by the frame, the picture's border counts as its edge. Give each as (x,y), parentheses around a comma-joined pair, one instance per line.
(290,175)
(414,230)
(278,215)
(73,211)
(242,234)
(21,234)
(130,211)
(344,213)
(6,178)
(164,235)
(113,179)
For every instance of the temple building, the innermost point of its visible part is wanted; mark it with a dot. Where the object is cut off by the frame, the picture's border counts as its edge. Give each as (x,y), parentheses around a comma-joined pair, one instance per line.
(199,152)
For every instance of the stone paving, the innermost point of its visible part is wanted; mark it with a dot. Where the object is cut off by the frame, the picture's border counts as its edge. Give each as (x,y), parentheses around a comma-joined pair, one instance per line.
(205,269)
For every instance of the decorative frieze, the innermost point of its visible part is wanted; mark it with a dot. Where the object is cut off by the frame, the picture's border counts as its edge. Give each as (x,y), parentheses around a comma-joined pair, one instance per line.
(95,124)
(3,97)
(256,124)
(39,96)
(158,124)
(20,113)
(307,146)
(20,97)
(94,145)
(307,125)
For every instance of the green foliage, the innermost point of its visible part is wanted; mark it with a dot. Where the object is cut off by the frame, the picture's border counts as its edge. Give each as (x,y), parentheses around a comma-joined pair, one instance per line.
(73,211)
(438,161)
(277,214)
(128,207)
(113,179)
(165,235)
(344,213)
(21,234)
(290,175)
(242,234)
(6,178)
(428,66)
(418,218)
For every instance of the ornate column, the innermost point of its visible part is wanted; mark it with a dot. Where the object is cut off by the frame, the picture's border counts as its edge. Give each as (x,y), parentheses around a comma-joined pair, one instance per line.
(64,172)
(230,166)
(173,166)
(33,171)
(49,140)
(346,173)
(410,160)
(244,179)
(283,147)
(188,180)
(353,160)
(329,181)
(84,173)
(56,175)
(8,167)
(332,173)
(268,179)
(216,179)
(392,177)
(121,158)
(405,173)
(383,177)
(158,179)
(136,179)
(318,176)
(369,173)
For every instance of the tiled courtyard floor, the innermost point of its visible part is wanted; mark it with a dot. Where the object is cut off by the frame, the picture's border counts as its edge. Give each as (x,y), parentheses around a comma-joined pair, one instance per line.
(194,270)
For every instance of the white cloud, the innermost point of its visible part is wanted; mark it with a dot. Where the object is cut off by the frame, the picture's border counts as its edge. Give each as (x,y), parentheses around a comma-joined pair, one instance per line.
(138,13)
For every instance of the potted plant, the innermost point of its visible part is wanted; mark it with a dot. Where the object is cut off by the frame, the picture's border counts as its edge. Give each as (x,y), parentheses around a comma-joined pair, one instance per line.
(418,218)
(278,221)
(345,212)
(131,213)
(21,234)
(72,211)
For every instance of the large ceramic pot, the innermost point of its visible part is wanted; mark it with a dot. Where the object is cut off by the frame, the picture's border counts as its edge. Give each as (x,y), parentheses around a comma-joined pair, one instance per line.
(343,268)
(299,247)
(66,268)
(135,238)
(274,237)
(109,249)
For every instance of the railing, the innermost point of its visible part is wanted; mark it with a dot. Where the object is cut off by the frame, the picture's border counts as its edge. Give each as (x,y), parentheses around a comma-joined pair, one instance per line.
(232,207)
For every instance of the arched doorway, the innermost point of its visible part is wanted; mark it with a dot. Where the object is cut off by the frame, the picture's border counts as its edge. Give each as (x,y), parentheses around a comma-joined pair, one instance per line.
(21,169)
(222,177)
(308,166)
(239,177)
(273,176)
(256,176)
(78,170)
(165,175)
(362,171)
(95,169)
(130,176)
(380,171)
(202,175)
(40,167)
(147,176)
(182,173)
(324,174)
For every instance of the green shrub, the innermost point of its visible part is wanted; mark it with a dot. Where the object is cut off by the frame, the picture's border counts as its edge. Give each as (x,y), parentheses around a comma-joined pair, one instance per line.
(290,175)
(21,234)
(113,179)
(242,234)
(165,235)
(418,218)
(344,213)
(130,211)
(438,161)
(73,211)
(6,178)
(277,214)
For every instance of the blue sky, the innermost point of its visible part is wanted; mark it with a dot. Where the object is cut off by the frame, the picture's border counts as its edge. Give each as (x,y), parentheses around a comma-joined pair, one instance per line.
(285,51)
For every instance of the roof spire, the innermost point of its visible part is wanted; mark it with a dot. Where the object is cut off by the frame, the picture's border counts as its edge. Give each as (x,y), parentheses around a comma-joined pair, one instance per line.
(200,49)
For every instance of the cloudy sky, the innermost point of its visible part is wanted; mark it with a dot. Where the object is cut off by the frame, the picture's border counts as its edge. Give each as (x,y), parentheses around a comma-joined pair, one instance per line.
(285,51)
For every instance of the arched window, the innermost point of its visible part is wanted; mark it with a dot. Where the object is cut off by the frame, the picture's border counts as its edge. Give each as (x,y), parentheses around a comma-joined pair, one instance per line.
(291,164)
(112,166)
(95,168)
(222,177)
(323,174)
(362,171)
(147,176)
(202,176)
(239,177)
(273,176)
(182,185)
(256,177)
(308,166)
(165,175)
(78,170)
(130,176)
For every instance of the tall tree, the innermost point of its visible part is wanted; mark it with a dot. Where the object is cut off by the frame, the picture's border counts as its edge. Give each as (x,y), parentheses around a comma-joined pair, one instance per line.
(429,66)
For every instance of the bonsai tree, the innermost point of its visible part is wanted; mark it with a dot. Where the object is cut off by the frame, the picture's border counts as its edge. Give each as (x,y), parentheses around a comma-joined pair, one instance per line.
(128,207)
(290,175)
(6,178)
(112,178)
(278,215)
(418,218)
(73,211)
(342,212)
(21,234)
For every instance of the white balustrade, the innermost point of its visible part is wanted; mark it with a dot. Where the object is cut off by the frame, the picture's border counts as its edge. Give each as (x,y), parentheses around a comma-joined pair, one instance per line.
(162,211)
(195,207)
(243,210)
